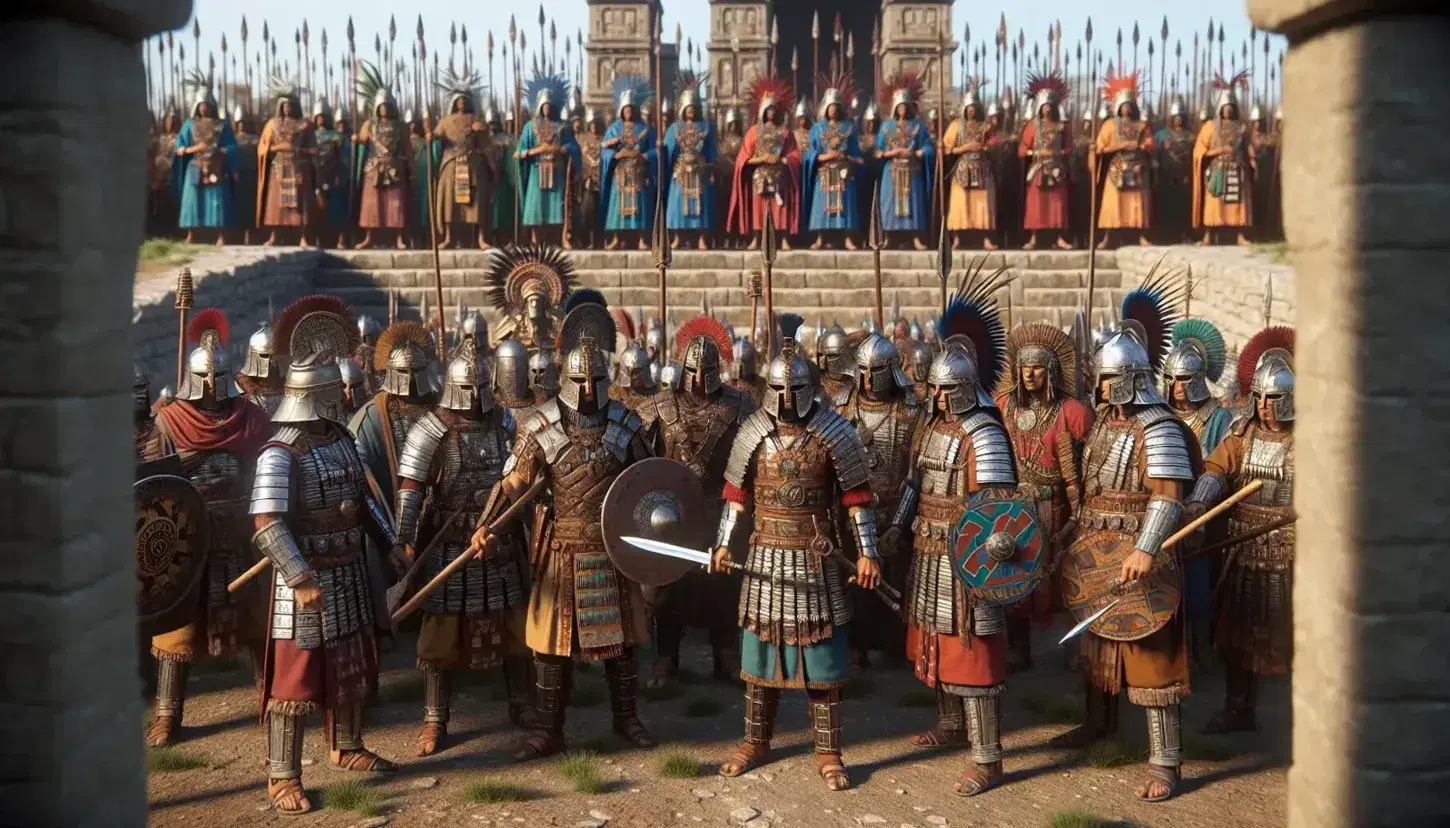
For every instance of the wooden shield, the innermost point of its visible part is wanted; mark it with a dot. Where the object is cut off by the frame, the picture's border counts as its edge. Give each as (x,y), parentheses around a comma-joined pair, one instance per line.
(1090,572)
(172,540)
(662,500)
(997,549)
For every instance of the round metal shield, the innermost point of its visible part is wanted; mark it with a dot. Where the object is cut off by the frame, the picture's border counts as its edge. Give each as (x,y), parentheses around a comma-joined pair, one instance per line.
(998,549)
(1090,581)
(172,540)
(662,500)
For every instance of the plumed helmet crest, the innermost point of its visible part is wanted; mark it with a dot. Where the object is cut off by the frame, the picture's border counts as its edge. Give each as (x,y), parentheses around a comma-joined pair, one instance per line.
(1203,335)
(319,324)
(1151,310)
(972,320)
(707,326)
(1280,337)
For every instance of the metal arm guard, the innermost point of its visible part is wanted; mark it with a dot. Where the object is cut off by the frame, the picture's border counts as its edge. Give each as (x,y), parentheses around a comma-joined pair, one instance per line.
(728,517)
(410,510)
(1208,490)
(863,520)
(276,542)
(905,508)
(421,444)
(499,500)
(1158,523)
(272,486)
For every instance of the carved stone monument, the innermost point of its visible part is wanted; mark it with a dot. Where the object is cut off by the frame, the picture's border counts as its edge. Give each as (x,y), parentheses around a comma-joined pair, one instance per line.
(739,49)
(914,34)
(619,44)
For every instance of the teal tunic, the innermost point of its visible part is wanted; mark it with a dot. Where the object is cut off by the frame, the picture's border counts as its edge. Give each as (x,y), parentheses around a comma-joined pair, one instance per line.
(544,201)
(822,666)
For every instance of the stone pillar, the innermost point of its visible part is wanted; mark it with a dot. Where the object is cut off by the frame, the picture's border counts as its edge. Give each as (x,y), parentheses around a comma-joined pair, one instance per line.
(72,186)
(1366,176)
(913,35)
(739,49)
(618,44)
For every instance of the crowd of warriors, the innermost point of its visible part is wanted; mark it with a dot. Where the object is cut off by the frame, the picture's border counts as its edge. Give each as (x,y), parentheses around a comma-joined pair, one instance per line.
(1025,173)
(347,456)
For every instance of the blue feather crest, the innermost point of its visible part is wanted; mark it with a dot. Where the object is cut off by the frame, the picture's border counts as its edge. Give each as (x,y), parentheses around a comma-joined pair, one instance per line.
(541,89)
(1153,310)
(631,90)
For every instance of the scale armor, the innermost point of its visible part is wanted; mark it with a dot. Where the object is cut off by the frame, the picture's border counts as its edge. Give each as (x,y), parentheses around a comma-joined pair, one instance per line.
(1113,485)
(885,428)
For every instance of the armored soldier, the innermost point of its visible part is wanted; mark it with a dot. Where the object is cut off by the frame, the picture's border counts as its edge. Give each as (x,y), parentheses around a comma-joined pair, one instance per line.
(1038,398)
(145,436)
(695,422)
(369,329)
(543,376)
(744,374)
(634,381)
(408,392)
(509,382)
(1137,468)
(260,379)
(1255,631)
(528,286)
(833,360)
(885,411)
(311,508)
(794,464)
(216,434)
(354,385)
(1197,358)
(580,607)
(453,457)
(1125,144)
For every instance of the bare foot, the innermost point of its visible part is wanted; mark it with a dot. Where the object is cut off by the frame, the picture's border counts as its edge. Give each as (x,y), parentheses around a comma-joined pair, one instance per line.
(190,237)
(221,241)
(820,242)
(956,242)
(270,242)
(919,245)
(850,243)
(1243,240)
(754,245)
(675,241)
(401,243)
(1031,242)
(301,242)
(1063,244)
(613,244)
(702,244)
(367,242)
(643,245)
(1144,242)
(988,244)
(1103,245)
(785,244)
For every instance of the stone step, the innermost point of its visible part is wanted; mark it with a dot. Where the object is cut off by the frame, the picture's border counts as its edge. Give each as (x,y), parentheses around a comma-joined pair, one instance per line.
(727,260)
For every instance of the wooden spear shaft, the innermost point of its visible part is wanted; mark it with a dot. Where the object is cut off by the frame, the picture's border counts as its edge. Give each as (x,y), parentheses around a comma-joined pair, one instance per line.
(433,219)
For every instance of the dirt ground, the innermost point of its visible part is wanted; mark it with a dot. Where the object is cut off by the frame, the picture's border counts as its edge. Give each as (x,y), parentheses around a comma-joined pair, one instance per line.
(1229,781)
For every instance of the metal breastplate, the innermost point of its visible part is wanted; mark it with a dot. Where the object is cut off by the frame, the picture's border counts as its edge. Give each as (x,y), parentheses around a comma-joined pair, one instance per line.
(210,161)
(582,474)
(385,151)
(793,488)
(886,431)
(944,482)
(1047,170)
(690,141)
(328,505)
(1269,456)
(770,140)
(693,434)
(589,152)
(1127,169)
(471,459)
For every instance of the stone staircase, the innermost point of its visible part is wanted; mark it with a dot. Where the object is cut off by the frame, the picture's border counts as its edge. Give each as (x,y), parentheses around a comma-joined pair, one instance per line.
(819,285)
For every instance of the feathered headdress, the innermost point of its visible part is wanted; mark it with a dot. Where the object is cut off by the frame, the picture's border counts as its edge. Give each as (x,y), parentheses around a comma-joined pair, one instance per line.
(902,87)
(1277,337)
(515,273)
(973,320)
(771,91)
(281,90)
(318,325)
(1043,338)
(585,296)
(1120,88)
(587,321)
(836,88)
(372,88)
(1206,338)
(631,90)
(199,86)
(1227,89)
(468,87)
(397,336)
(209,327)
(971,93)
(707,326)
(690,91)
(624,323)
(543,88)
(1047,88)
(1151,311)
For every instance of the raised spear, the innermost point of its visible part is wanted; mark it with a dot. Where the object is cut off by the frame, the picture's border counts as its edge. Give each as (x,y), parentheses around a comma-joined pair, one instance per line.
(1148,69)
(351,76)
(1220,48)
(944,66)
(1021,55)
(1119,64)
(998,52)
(488,43)
(452,44)
(815,67)
(327,71)
(196,43)
(1135,49)
(185,295)
(877,240)
(774,39)
(966,47)
(420,65)
(553,45)
(664,254)
(224,96)
(795,68)
(1163,67)
(161,59)
(767,268)
(297,41)
(1197,90)
(541,31)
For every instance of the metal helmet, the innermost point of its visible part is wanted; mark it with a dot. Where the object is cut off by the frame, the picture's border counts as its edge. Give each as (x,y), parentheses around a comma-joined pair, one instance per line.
(259,364)
(543,373)
(1123,363)
(208,373)
(831,352)
(633,371)
(473,327)
(352,377)
(878,366)
(700,366)
(953,377)
(732,116)
(407,373)
(466,384)
(790,386)
(1274,381)
(510,382)
(166,396)
(140,387)
(1177,107)
(313,391)
(1187,363)
(669,376)
(369,329)
(654,337)
(743,367)
(922,354)
(584,378)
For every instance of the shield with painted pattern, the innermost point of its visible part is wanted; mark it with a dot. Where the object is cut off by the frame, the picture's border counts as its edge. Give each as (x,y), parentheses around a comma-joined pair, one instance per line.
(1091,570)
(172,541)
(998,549)
(662,500)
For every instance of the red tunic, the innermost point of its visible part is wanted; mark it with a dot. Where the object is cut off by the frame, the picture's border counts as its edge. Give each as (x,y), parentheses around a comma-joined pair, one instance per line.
(1045,198)
(747,208)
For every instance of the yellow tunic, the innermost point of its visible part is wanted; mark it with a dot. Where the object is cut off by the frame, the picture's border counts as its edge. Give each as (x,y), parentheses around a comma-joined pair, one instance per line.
(972,208)
(1223,211)
(1127,201)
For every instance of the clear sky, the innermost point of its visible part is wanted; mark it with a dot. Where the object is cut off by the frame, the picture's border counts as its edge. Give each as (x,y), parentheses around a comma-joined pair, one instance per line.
(285,17)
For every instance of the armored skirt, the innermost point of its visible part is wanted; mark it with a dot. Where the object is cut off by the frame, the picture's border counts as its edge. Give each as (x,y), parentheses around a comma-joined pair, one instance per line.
(472,621)
(1255,630)
(581,605)
(793,632)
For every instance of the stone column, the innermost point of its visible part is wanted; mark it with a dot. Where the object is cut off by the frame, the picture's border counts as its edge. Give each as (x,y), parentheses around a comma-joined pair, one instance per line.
(914,34)
(1366,176)
(72,186)
(738,50)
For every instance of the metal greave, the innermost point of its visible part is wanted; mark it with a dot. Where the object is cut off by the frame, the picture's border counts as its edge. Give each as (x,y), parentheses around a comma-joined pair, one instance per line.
(826,720)
(284,746)
(761,704)
(437,689)
(1165,736)
(171,688)
(622,675)
(984,719)
(951,716)
(346,727)
(552,678)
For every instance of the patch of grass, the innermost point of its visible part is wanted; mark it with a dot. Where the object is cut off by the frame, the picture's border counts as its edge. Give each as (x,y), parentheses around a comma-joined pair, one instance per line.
(1274,252)
(1053,709)
(1208,750)
(406,690)
(602,745)
(672,690)
(581,768)
(677,765)
(587,695)
(494,793)
(701,708)
(1112,753)
(352,795)
(167,251)
(917,697)
(172,760)
(859,687)
(1075,819)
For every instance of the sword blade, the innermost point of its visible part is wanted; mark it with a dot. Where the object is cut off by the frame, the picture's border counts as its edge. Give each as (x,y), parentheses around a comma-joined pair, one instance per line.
(1087,622)
(669,550)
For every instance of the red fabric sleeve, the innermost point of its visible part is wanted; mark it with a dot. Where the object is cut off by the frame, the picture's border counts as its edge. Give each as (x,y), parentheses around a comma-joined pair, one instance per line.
(859,496)
(734,493)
